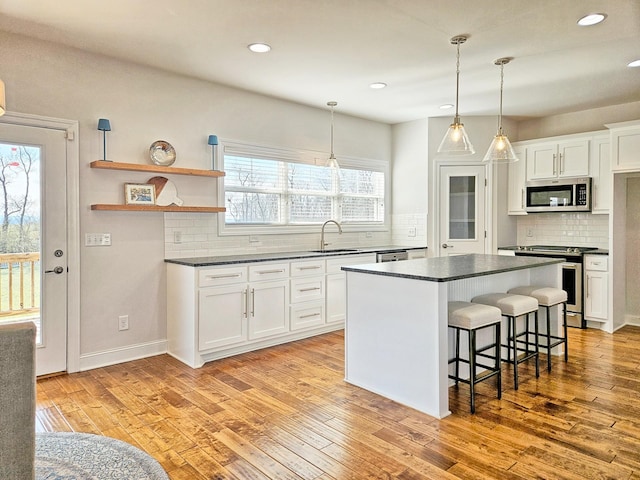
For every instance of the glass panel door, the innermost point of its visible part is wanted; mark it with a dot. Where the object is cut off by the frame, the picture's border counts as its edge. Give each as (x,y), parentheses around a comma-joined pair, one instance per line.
(462,207)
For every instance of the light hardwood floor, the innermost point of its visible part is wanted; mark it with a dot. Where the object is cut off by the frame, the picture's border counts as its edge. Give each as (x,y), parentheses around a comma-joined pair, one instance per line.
(286,413)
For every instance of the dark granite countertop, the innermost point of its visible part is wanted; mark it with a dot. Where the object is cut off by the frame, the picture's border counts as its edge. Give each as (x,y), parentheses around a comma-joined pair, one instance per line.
(275,256)
(446,269)
(600,251)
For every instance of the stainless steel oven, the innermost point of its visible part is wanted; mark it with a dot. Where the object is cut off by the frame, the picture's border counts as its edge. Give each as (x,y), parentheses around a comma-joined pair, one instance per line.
(571,276)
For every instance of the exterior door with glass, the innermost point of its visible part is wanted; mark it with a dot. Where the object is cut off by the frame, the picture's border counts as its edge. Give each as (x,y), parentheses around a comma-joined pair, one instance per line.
(462,210)
(33,237)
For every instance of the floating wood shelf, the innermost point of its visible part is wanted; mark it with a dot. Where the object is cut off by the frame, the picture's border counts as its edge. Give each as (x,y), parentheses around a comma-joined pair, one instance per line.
(135,167)
(155,208)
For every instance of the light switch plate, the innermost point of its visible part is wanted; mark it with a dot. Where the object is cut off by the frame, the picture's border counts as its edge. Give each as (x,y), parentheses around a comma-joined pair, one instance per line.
(97,240)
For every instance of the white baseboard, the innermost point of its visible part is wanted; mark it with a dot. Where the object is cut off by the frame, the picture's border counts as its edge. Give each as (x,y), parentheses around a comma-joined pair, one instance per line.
(120,355)
(632,320)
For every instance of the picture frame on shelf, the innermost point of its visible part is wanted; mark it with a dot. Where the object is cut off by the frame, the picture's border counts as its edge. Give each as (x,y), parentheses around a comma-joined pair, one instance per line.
(139,194)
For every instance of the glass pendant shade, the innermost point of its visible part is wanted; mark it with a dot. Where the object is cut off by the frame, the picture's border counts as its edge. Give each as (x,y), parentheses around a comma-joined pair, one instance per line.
(456,141)
(500,150)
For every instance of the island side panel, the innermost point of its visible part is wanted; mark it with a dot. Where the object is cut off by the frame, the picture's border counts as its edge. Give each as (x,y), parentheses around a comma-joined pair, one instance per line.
(396,340)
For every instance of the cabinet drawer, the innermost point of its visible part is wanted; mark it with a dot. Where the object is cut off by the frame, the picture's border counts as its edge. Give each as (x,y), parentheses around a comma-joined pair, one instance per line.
(334,264)
(307,315)
(222,276)
(596,262)
(269,271)
(307,288)
(311,267)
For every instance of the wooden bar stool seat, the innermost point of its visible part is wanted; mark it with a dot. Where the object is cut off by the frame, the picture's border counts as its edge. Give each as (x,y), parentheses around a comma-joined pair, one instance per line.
(512,307)
(549,297)
(472,318)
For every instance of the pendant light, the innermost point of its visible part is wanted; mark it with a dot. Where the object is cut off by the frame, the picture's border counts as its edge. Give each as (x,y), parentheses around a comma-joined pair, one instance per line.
(456,141)
(500,150)
(332,161)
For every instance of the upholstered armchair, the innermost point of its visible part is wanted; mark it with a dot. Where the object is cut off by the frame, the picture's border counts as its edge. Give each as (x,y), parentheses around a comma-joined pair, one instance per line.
(17,401)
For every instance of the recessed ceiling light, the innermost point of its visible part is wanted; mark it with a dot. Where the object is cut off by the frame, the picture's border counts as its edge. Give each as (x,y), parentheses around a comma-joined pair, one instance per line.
(592,19)
(259,47)
(446,106)
(635,63)
(377,85)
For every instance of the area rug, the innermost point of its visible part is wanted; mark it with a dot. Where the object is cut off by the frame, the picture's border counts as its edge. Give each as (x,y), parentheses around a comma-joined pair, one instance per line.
(83,456)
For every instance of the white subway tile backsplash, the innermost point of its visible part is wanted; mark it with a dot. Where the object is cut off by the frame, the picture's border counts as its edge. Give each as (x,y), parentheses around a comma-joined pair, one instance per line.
(570,229)
(199,234)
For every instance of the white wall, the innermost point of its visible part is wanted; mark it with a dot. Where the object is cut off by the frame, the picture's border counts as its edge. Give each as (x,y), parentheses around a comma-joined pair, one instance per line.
(409,183)
(633,250)
(577,122)
(145,105)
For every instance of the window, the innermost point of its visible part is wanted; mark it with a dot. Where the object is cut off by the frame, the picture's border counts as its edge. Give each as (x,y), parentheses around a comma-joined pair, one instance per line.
(277,190)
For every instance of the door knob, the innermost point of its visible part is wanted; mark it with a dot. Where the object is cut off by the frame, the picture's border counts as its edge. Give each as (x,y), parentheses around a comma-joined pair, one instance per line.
(56,270)
(444,245)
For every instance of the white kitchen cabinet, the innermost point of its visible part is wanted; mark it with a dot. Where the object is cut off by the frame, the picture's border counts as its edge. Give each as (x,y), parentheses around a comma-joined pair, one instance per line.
(233,311)
(600,168)
(222,316)
(516,184)
(336,291)
(596,290)
(558,159)
(307,294)
(219,311)
(268,304)
(625,146)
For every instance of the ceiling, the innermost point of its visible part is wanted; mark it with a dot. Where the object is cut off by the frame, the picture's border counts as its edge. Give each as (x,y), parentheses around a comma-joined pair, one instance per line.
(325,50)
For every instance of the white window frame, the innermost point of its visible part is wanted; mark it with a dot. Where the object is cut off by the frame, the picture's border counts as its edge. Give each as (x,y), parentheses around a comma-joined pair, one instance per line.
(298,156)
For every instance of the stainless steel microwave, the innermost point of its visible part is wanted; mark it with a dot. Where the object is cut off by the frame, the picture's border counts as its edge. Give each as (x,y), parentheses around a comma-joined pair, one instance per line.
(559,195)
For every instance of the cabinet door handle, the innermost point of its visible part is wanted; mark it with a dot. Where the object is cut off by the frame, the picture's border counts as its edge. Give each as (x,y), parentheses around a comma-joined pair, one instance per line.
(253,302)
(561,163)
(522,199)
(308,289)
(554,164)
(266,272)
(228,275)
(588,287)
(310,315)
(246,299)
(312,267)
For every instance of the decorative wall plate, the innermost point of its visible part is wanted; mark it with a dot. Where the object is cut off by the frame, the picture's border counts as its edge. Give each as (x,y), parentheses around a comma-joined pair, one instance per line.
(162,153)
(166,192)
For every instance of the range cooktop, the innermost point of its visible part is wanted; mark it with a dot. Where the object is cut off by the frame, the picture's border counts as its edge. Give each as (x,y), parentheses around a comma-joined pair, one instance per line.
(554,249)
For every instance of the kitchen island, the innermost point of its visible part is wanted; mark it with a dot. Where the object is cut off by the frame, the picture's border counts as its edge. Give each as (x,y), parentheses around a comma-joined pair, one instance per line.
(396,335)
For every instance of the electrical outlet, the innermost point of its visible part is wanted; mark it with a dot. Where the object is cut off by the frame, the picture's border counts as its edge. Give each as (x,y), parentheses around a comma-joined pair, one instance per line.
(177,236)
(529,232)
(369,235)
(123,322)
(412,231)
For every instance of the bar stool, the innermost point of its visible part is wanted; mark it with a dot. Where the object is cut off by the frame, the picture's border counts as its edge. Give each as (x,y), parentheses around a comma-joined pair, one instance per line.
(513,306)
(549,297)
(472,318)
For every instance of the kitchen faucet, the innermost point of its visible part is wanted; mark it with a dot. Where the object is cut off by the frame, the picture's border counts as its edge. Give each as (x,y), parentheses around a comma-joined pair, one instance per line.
(322,244)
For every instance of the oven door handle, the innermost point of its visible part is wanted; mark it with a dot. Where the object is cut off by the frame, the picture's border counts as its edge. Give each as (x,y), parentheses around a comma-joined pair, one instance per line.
(572,266)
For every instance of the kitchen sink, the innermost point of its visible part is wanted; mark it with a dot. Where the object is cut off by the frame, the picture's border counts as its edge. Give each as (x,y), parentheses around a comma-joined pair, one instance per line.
(335,250)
